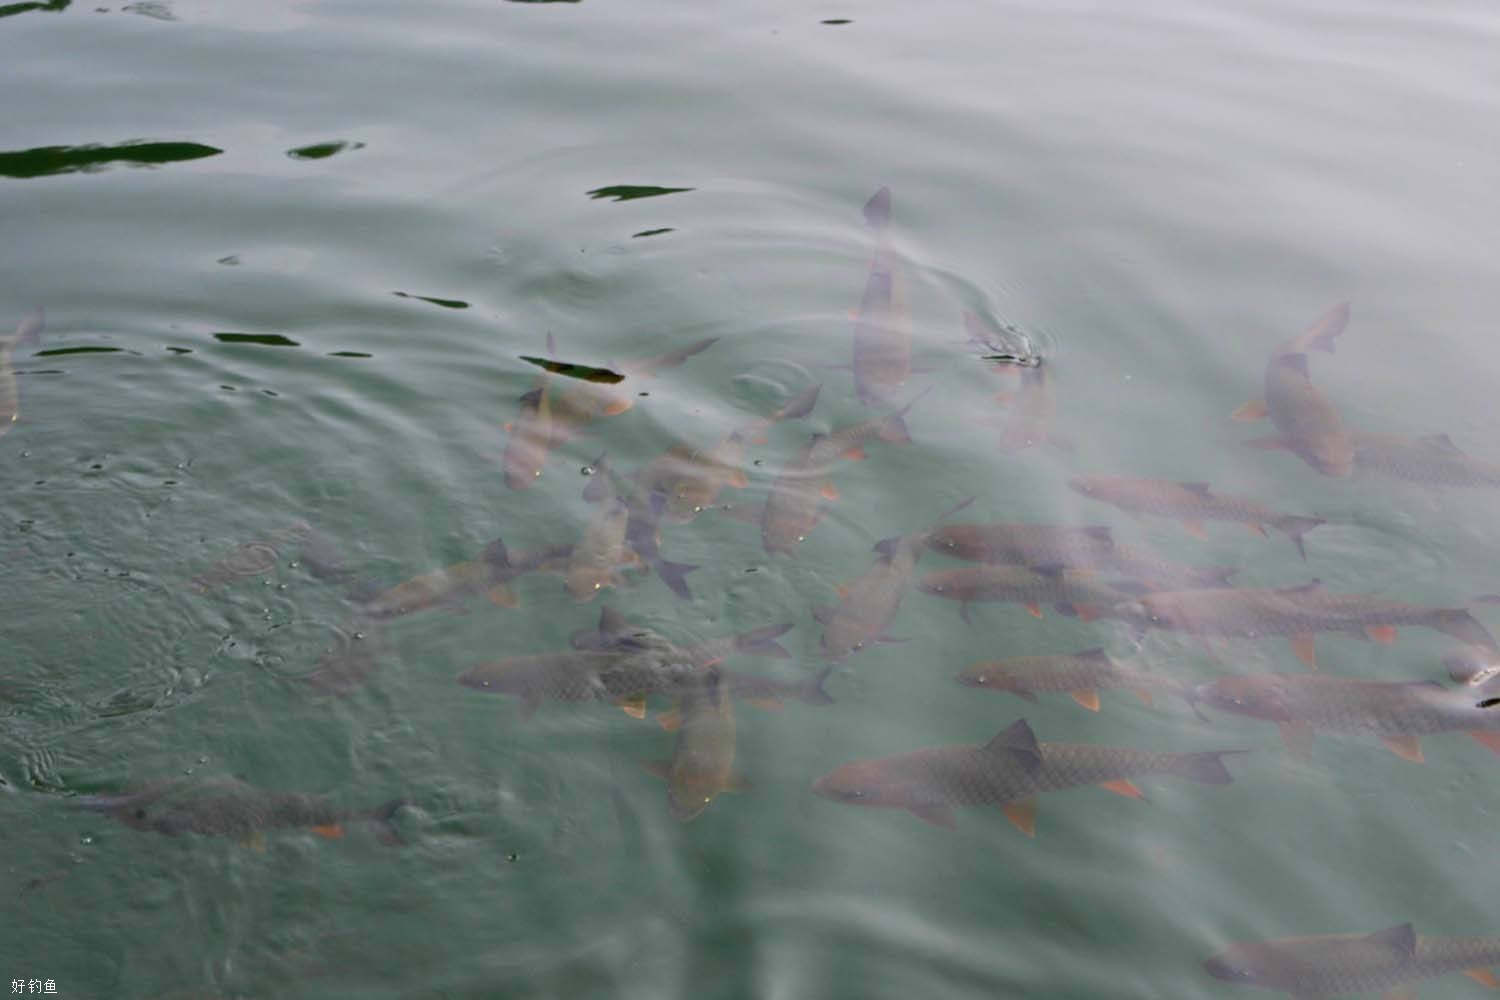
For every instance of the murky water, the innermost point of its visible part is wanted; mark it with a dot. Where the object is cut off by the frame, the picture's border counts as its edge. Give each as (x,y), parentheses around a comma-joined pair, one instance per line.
(292,255)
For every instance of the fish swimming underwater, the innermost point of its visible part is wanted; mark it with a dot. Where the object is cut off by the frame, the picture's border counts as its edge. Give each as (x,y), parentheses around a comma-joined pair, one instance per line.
(1333,965)
(346,664)
(28,334)
(882,327)
(1295,613)
(1009,771)
(1072,592)
(530,440)
(491,574)
(258,556)
(1307,424)
(1081,676)
(627,528)
(1192,504)
(1434,460)
(702,764)
(1398,713)
(1034,401)
(229,807)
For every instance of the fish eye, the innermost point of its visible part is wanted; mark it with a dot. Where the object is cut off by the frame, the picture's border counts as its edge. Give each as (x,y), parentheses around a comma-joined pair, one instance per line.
(140,814)
(484,683)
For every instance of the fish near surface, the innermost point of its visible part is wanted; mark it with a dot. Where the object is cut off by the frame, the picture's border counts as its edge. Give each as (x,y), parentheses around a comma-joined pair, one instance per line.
(347,663)
(882,327)
(530,440)
(1080,675)
(1333,965)
(491,574)
(1033,402)
(1192,503)
(254,558)
(1079,592)
(702,764)
(1434,460)
(594,561)
(1086,546)
(28,333)
(1295,613)
(1307,424)
(1397,713)
(643,540)
(229,807)
(1009,771)
(580,402)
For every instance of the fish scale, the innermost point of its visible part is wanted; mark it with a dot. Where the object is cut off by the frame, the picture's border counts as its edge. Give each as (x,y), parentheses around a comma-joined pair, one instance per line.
(1055,674)
(1329,965)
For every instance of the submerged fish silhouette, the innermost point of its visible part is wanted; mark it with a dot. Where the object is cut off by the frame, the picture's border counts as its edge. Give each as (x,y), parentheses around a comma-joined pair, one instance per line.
(28,333)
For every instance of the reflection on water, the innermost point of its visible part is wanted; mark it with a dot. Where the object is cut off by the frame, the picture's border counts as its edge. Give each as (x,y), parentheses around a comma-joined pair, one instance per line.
(45,161)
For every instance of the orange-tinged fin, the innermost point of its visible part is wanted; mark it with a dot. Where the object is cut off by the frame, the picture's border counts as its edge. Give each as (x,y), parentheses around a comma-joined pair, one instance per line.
(661,768)
(634,706)
(766,704)
(938,815)
(1405,747)
(1487,739)
(829,492)
(1196,529)
(1144,696)
(1033,609)
(843,591)
(1123,787)
(856,453)
(1022,815)
(1086,612)
(503,596)
(1254,410)
(1088,699)
(738,479)
(617,407)
(1483,977)
(1298,737)
(670,720)
(1306,649)
(332,831)
(1260,529)
(1383,634)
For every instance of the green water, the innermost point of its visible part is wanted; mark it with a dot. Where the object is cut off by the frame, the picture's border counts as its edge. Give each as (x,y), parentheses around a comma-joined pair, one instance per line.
(292,255)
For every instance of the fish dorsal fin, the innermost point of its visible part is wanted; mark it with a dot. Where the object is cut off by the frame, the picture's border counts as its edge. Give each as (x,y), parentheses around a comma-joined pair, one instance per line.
(532,396)
(611,622)
(496,554)
(1401,939)
(1019,741)
(887,547)
(1296,362)
(1441,442)
(1202,489)
(1311,587)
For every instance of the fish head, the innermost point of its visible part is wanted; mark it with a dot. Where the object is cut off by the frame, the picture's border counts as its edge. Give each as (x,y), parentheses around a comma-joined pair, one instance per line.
(1260,696)
(961,541)
(1246,964)
(986,675)
(867,783)
(144,811)
(584,583)
(941,583)
(1332,455)
(1140,614)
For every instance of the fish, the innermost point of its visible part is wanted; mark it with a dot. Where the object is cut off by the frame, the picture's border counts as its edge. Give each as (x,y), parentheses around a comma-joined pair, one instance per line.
(702,764)
(1192,503)
(882,327)
(230,807)
(1081,675)
(28,333)
(619,664)
(491,574)
(868,604)
(1332,965)
(1034,401)
(1088,546)
(627,528)
(794,504)
(1296,613)
(1009,771)
(693,478)
(256,557)
(643,536)
(344,666)
(1079,592)
(1307,424)
(1398,713)
(530,440)
(1433,459)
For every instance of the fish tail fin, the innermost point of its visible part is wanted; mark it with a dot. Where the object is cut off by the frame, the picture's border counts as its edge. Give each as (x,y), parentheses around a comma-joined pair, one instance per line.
(1464,627)
(674,575)
(762,642)
(29,330)
(1295,527)
(799,405)
(1206,767)
(380,822)
(813,692)
(893,430)
(878,209)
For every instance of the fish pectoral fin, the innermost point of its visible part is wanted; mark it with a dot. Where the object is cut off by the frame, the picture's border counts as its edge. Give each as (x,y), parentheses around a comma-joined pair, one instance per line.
(503,596)
(828,491)
(856,453)
(661,768)
(734,781)
(1483,977)
(738,479)
(1123,787)
(1033,609)
(1298,737)
(1405,747)
(1022,815)
(255,841)
(670,720)
(1487,739)
(823,613)
(1144,696)
(330,831)
(1306,650)
(633,706)
(1086,697)
(766,704)
(1259,529)
(1251,411)
(1196,529)
(1383,634)
(940,814)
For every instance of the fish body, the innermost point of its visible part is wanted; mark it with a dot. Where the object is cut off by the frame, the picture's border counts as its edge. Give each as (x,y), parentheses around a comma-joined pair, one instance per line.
(254,558)
(882,327)
(1434,460)
(530,440)
(1072,591)
(229,807)
(346,664)
(1086,546)
(1399,713)
(1081,675)
(1034,401)
(1331,965)
(869,603)
(594,562)
(1295,613)
(1307,424)
(1008,771)
(27,334)
(491,574)
(1192,503)
(702,763)
(643,540)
